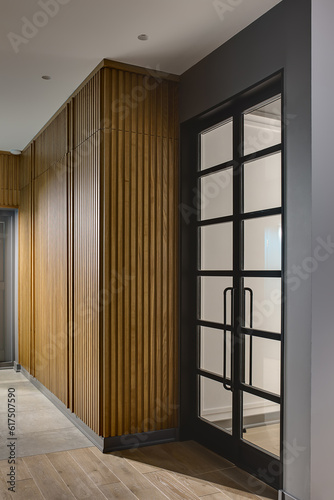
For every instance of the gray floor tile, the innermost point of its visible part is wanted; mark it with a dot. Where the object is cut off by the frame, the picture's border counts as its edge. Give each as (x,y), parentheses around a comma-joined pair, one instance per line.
(40,426)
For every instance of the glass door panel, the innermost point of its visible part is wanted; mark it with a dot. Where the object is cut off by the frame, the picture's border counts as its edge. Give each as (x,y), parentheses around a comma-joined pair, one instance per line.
(217,194)
(262,127)
(263,243)
(216,247)
(215,351)
(263,364)
(262,304)
(262,183)
(215,404)
(217,145)
(261,423)
(212,299)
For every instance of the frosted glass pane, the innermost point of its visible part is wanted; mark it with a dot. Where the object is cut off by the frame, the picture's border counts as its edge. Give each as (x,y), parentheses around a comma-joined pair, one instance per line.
(267,304)
(261,421)
(212,299)
(217,194)
(262,183)
(212,351)
(262,243)
(215,404)
(216,247)
(262,127)
(266,367)
(217,145)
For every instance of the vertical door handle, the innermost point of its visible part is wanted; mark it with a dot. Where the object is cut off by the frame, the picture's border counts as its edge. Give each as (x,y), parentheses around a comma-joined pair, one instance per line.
(251,309)
(228,385)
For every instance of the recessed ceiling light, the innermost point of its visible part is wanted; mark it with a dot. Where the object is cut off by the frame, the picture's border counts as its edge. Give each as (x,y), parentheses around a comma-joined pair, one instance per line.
(46,77)
(143,37)
(15,151)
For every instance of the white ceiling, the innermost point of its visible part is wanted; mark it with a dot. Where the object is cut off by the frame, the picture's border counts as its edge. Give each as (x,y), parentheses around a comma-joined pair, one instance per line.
(78,34)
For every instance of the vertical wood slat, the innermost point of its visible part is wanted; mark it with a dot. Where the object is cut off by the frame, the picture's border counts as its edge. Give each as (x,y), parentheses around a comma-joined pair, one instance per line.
(140,392)
(9,180)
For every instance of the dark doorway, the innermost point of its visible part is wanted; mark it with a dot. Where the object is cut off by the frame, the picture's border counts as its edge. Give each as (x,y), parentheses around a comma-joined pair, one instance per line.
(7,287)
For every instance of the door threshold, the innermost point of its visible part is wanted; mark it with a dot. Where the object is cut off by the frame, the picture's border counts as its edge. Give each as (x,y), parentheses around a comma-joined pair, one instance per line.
(4,365)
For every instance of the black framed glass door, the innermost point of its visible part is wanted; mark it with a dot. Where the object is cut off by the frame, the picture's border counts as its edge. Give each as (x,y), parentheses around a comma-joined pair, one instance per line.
(239,287)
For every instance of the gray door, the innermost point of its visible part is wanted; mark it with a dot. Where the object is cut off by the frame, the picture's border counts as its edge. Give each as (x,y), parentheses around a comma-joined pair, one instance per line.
(6,286)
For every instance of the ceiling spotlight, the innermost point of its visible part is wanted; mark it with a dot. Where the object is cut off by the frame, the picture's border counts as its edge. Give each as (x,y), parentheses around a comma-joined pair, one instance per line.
(46,77)
(143,37)
(16,151)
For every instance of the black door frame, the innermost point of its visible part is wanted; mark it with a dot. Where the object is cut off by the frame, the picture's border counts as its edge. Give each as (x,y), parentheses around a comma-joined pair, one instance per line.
(263,465)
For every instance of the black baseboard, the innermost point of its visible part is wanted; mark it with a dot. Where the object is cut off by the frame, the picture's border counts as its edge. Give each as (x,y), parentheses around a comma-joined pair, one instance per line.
(131,441)
(106,444)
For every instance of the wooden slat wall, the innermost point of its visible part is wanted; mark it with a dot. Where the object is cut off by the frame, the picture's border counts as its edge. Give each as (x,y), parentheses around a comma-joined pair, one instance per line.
(50,279)
(102,191)
(84,225)
(9,180)
(87,112)
(49,255)
(42,323)
(86,247)
(140,353)
(25,263)
(52,144)
(26,164)
(57,279)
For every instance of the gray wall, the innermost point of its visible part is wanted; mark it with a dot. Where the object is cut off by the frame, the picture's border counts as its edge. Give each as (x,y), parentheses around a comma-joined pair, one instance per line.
(322,226)
(278,40)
